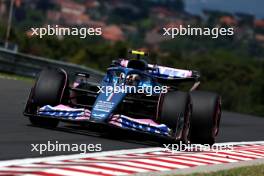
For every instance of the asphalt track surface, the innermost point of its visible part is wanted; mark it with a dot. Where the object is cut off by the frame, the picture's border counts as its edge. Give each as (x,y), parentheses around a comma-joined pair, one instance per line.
(17,135)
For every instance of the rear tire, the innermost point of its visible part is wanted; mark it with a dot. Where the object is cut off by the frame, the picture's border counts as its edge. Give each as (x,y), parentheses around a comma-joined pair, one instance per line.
(175,113)
(205,119)
(50,89)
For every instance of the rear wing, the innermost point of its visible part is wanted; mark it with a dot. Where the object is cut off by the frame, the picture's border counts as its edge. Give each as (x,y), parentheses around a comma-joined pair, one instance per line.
(173,73)
(168,72)
(167,75)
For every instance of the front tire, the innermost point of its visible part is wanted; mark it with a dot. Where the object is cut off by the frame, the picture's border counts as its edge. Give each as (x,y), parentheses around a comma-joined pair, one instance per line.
(50,89)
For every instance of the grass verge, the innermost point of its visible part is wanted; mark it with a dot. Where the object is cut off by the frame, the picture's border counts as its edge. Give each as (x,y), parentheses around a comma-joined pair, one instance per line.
(15,77)
(256,170)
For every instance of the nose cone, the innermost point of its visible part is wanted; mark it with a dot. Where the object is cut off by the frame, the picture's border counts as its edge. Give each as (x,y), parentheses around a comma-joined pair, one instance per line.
(105,104)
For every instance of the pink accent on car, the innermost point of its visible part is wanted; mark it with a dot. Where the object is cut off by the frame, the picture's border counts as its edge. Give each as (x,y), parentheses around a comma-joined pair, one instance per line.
(75,84)
(65,83)
(158,105)
(115,118)
(168,71)
(172,71)
(64,108)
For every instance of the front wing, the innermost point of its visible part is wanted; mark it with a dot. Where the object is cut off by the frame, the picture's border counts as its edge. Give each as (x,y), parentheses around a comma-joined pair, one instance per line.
(81,114)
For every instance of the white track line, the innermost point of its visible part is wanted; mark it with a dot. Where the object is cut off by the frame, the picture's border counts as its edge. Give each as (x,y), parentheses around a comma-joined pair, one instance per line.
(99,170)
(181,161)
(134,169)
(230,156)
(250,154)
(149,166)
(241,143)
(197,159)
(216,158)
(76,156)
(68,173)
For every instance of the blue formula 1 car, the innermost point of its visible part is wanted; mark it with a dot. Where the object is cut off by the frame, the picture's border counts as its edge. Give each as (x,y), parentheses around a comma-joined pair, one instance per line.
(133,95)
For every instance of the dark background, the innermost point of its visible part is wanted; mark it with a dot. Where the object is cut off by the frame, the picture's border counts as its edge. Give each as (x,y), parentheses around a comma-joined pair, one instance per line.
(232,66)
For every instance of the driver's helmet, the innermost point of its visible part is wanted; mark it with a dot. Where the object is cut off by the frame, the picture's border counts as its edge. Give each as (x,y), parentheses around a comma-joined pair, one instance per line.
(118,77)
(121,77)
(132,79)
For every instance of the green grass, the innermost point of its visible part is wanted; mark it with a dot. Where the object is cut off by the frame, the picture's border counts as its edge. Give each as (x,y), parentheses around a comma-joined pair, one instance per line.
(15,77)
(256,170)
